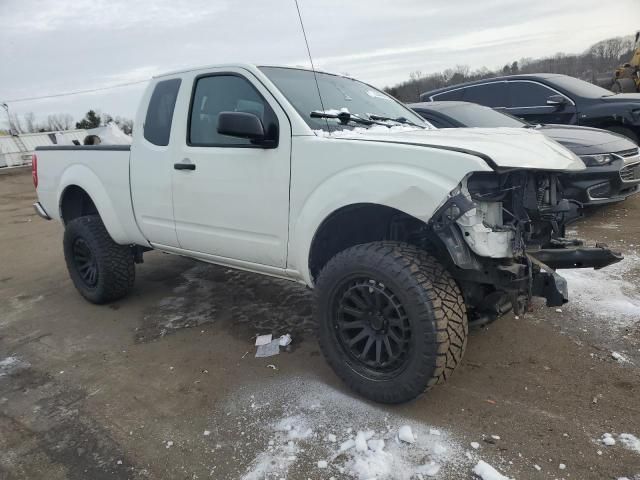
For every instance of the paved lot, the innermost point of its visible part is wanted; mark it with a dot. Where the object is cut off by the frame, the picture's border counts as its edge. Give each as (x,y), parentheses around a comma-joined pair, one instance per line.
(164,384)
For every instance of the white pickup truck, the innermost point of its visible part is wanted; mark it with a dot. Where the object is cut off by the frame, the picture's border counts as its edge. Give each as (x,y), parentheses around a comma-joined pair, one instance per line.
(406,232)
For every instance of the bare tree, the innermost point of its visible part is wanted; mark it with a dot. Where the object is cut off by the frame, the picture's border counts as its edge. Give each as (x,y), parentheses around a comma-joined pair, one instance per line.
(59,121)
(15,125)
(30,122)
(596,64)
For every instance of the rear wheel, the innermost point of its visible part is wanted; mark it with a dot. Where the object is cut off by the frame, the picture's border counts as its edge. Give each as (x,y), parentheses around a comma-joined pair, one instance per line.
(101,270)
(392,320)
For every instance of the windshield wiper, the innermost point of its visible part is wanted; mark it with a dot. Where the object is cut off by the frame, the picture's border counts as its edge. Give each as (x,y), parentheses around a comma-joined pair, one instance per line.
(346,117)
(400,120)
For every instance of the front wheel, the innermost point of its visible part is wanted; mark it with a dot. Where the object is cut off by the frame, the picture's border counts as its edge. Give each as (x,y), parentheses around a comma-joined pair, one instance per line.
(101,270)
(392,321)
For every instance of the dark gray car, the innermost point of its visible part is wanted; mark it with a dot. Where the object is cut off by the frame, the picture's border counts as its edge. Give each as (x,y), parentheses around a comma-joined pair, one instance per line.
(613,161)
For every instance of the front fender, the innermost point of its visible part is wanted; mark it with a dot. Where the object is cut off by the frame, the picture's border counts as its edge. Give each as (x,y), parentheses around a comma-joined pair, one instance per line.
(83,177)
(412,190)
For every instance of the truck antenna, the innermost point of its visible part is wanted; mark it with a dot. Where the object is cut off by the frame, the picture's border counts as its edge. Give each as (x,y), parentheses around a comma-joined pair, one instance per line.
(313,69)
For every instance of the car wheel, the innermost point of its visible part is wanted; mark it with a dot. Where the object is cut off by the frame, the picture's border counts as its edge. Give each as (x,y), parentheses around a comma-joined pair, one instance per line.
(101,270)
(625,132)
(392,321)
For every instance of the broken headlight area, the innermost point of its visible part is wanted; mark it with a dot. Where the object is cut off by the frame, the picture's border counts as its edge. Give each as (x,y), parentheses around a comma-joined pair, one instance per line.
(504,233)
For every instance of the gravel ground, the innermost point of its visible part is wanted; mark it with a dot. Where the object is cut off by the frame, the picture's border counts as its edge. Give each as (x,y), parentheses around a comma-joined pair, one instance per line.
(164,383)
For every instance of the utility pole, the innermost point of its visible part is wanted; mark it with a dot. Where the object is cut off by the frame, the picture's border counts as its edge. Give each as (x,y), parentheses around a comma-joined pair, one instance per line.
(12,131)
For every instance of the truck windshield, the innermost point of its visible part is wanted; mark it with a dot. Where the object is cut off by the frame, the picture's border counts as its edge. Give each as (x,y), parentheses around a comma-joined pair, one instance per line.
(338,94)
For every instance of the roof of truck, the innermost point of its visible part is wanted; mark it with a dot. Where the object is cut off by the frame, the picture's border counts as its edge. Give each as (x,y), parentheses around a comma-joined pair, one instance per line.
(246,66)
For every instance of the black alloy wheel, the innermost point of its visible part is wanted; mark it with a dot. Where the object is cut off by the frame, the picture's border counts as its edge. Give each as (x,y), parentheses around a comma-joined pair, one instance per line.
(85,262)
(371,326)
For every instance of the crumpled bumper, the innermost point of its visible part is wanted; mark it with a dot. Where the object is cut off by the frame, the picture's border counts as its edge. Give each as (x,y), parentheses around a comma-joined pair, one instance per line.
(548,284)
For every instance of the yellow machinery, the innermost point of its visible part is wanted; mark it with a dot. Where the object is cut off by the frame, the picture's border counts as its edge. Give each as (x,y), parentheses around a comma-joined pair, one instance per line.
(627,77)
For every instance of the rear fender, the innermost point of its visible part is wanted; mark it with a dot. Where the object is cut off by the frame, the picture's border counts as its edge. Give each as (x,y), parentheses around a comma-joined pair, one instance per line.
(83,177)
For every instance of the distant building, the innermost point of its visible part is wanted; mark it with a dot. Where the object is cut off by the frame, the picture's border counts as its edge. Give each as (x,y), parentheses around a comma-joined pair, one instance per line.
(16,150)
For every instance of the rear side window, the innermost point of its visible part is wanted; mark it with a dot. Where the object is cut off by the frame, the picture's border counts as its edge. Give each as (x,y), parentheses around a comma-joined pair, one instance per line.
(449,96)
(157,124)
(489,95)
(529,94)
(226,93)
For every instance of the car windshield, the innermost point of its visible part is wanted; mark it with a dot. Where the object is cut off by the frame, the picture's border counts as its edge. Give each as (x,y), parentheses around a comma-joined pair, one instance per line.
(579,87)
(473,115)
(338,94)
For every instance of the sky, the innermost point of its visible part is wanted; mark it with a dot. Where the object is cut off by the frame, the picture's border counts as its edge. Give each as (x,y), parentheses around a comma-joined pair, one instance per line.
(56,46)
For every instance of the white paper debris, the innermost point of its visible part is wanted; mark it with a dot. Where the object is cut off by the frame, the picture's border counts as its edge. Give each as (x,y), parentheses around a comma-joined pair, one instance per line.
(268,350)
(322,464)
(263,339)
(619,357)
(169,444)
(475,445)
(331,437)
(562,466)
(285,340)
(495,437)
(405,434)
(206,433)
(537,467)
(487,472)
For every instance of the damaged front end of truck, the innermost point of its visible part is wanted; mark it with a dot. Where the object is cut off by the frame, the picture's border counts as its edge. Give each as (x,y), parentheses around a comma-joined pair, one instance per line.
(505,237)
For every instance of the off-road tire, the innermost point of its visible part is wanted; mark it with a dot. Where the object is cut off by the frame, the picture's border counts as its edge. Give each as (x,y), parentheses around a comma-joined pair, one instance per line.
(114,263)
(625,132)
(434,307)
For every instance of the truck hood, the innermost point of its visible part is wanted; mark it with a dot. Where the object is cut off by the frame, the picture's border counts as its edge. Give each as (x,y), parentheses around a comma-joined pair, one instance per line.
(504,147)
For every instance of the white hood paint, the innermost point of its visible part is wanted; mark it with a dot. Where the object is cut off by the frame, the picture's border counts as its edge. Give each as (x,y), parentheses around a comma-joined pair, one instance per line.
(507,147)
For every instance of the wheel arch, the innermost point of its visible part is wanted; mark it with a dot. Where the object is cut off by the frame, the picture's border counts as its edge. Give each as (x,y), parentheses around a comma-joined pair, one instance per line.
(75,202)
(362,196)
(79,183)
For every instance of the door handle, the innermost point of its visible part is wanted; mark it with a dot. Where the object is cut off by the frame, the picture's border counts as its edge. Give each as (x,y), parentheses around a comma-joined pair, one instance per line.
(184,166)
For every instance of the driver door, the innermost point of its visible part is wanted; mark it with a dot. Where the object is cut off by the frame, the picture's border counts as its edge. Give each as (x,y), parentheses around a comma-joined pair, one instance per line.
(232,198)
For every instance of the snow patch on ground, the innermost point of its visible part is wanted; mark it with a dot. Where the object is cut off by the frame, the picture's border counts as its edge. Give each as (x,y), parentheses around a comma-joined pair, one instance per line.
(305,424)
(10,365)
(180,310)
(630,441)
(610,294)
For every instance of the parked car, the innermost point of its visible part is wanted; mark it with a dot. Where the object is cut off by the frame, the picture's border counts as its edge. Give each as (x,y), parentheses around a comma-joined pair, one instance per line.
(613,161)
(551,98)
(402,230)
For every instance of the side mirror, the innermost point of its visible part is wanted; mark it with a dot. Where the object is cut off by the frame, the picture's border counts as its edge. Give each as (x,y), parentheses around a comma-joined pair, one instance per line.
(241,124)
(556,100)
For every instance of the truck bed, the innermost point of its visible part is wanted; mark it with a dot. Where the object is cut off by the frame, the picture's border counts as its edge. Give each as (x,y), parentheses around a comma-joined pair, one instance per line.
(102,170)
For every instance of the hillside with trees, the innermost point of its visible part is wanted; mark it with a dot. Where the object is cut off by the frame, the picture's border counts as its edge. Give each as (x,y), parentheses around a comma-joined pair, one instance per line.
(595,65)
